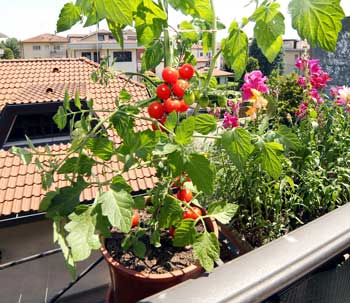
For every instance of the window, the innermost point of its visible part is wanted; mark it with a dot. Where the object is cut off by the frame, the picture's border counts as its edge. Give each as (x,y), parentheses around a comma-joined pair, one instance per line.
(36,47)
(86,55)
(101,37)
(57,47)
(122,56)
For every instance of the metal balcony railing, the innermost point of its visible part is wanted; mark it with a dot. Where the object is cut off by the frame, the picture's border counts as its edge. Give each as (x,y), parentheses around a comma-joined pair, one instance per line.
(260,274)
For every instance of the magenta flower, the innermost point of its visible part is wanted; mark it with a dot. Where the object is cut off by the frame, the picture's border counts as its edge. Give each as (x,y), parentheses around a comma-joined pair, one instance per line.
(313,66)
(313,93)
(302,81)
(254,80)
(301,63)
(302,111)
(230,121)
(319,80)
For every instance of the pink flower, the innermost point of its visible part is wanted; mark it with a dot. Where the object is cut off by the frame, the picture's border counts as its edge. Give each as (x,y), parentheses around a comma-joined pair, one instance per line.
(230,121)
(302,82)
(319,80)
(302,111)
(313,93)
(301,63)
(254,80)
(313,66)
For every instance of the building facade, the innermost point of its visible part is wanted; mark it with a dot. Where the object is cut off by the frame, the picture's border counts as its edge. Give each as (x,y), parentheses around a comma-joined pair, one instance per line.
(293,49)
(44,46)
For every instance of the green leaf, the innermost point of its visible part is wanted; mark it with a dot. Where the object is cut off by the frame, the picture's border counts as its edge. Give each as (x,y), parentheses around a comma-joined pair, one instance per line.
(265,12)
(81,235)
(147,142)
(288,138)
(238,144)
(122,123)
(171,121)
(101,147)
(235,49)
(46,201)
(269,36)
(119,183)
(271,158)
(69,15)
(189,33)
(118,11)
(103,226)
(195,8)
(185,233)
(205,123)
(60,118)
(77,101)
(117,31)
(124,95)
(185,131)
(23,153)
(155,238)
(221,211)
(117,206)
(170,213)
(206,249)
(139,202)
(162,149)
(317,21)
(201,172)
(176,163)
(139,248)
(81,165)
(66,101)
(152,56)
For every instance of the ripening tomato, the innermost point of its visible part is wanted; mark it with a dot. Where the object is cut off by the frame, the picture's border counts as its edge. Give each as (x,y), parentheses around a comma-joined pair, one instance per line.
(172,232)
(189,98)
(192,214)
(170,75)
(171,105)
(203,101)
(186,71)
(184,195)
(161,121)
(180,87)
(163,91)
(135,219)
(156,110)
(183,106)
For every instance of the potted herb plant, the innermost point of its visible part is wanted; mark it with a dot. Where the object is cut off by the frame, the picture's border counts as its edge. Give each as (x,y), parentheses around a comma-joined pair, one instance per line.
(172,217)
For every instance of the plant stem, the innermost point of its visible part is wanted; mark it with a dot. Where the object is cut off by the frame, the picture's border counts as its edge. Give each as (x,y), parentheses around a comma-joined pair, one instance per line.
(167,51)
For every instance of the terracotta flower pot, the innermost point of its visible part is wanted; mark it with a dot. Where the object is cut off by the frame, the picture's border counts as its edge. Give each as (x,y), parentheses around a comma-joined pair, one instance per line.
(129,286)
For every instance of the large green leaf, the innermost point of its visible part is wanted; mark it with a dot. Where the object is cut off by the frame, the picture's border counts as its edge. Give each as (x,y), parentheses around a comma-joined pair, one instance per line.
(153,55)
(118,207)
(118,11)
(206,249)
(238,144)
(185,233)
(271,160)
(195,8)
(81,235)
(223,212)
(235,49)
(69,15)
(201,172)
(23,153)
(317,21)
(170,213)
(205,123)
(101,147)
(268,35)
(147,143)
(189,33)
(122,123)
(288,138)
(81,165)
(185,131)
(60,118)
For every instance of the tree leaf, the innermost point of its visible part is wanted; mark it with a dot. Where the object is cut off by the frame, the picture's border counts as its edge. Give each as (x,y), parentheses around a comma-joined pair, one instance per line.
(271,158)
(46,201)
(185,233)
(119,183)
(60,118)
(101,147)
(117,206)
(205,123)
(201,172)
(153,55)
(69,15)
(81,235)
(23,153)
(235,49)
(81,165)
(190,33)
(195,8)
(170,213)
(238,144)
(207,250)
(185,131)
(118,11)
(288,138)
(221,211)
(317,21)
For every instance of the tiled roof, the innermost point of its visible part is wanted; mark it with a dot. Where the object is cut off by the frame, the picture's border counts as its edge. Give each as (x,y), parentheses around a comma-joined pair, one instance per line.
(45,38)
(26,81)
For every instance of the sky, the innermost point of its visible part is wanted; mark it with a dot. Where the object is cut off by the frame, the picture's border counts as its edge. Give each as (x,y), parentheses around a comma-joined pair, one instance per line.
(24,19)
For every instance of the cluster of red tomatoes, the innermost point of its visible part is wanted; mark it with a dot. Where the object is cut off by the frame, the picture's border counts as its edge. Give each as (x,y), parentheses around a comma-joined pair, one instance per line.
(172,93)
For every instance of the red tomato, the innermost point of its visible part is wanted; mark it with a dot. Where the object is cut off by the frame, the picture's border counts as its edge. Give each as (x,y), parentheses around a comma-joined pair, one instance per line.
(172,232)
(183,106)
(163,91)
(135,219)
(170,75)
(184,195)
(180,87)
(171,105)
(186,71)
(162,121)
(156,110)
(192,214)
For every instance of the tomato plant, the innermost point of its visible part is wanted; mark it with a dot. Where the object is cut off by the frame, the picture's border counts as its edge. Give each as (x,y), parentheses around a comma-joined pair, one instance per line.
(156,110)
(170,75)
(189,98)
(163,91)
(184,195)
(171,105)
(180,87)
(186,71)
(193,213)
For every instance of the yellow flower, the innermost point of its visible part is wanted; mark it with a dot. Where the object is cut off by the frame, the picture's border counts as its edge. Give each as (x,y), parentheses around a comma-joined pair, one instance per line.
(259,103)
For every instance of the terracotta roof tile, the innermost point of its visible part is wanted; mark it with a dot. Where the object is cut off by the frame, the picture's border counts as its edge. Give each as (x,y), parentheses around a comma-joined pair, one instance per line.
(27,81)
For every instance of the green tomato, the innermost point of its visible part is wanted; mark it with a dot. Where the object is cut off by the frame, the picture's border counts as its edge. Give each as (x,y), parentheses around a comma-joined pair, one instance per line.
(203,101)
(197,94)
(222,101)
(189,98)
